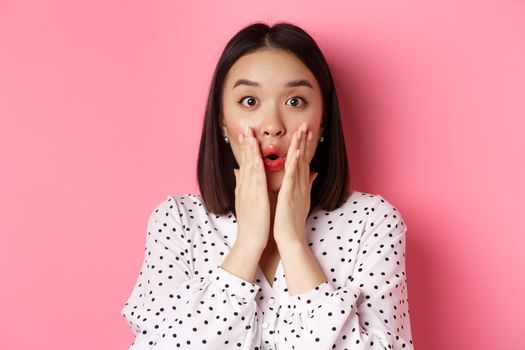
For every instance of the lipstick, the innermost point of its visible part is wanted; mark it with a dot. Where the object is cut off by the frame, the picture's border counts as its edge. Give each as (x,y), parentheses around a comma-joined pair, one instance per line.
(273,159)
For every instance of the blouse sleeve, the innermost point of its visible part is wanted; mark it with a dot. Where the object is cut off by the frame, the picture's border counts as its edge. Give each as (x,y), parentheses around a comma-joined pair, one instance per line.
(371,311)
(170,307)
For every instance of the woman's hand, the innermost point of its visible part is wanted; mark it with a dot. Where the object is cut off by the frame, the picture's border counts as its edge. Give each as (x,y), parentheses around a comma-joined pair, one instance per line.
(252,204)
(293,201)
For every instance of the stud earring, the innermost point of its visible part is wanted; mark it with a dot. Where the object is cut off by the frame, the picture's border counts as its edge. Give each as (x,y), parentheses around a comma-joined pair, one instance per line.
(321,139)
(226,139)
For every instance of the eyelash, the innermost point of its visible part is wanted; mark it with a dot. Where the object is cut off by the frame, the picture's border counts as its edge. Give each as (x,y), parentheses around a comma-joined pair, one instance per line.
(296,97)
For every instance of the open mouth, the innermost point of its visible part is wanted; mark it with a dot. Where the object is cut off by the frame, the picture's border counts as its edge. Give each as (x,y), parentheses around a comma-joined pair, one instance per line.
(274,162)
(273,158)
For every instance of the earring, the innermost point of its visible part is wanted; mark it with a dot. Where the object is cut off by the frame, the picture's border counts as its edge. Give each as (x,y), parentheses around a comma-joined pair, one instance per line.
(321,139)
(226,139)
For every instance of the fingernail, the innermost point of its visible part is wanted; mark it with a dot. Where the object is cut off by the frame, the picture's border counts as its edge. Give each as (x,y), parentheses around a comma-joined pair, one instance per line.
(310,135)
(305,127)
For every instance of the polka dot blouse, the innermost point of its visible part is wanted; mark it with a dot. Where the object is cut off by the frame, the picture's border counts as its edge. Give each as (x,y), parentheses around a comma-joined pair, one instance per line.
(183,299)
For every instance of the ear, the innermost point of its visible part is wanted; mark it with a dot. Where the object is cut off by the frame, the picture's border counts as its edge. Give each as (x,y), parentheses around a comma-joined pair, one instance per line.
(224,130)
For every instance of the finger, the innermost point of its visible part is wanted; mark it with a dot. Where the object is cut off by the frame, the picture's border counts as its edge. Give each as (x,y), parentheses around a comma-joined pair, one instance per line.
(291,150)
(252,155)
(256,154)
(259,173)
(293,155)
(308,150)
(302,166)
(242,142)
(248,157)
(259,164)
(245,167)
(309,138)
(253,151)
(240,161)
(294,165)
(299,167)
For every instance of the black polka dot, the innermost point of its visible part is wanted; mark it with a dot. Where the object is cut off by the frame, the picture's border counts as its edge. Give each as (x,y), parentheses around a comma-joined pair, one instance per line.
(184,298)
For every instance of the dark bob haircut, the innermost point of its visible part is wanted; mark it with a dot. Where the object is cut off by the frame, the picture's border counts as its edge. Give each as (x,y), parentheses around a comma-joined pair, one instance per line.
(216,160)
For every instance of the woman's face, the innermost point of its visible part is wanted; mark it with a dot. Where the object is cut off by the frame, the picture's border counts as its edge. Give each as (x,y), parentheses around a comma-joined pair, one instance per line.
(273,93)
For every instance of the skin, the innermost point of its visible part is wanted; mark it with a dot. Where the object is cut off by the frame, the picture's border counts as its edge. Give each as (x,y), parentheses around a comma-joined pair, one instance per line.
(272,207)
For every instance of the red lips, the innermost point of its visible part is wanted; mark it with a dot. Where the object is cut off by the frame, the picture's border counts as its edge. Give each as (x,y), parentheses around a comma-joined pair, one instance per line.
(273,158)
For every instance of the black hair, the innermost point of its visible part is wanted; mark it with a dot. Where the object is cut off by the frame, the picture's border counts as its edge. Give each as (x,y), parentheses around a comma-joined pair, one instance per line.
(216,160)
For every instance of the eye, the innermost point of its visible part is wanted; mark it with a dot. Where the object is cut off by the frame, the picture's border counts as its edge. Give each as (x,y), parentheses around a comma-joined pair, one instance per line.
(251,100)
(296,100)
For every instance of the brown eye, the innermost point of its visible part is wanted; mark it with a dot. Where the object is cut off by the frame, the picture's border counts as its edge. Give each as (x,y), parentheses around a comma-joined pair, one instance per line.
(296,101)
(251,101)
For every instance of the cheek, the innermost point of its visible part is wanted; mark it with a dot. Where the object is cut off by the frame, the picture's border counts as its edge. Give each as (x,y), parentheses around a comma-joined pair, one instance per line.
(235,124)
(234,131)
(233,127)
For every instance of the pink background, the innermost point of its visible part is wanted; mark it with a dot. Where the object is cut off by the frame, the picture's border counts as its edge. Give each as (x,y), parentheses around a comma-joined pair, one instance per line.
(101,106)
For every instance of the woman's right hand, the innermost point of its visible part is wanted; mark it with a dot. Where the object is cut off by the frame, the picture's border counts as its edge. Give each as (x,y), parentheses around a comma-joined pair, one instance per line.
(252,205)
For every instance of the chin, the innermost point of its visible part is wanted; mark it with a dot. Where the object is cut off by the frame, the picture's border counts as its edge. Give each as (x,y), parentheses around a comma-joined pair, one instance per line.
(274,188)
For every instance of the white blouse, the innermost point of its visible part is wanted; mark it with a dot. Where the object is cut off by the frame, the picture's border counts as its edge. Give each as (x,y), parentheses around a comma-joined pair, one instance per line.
(183,299)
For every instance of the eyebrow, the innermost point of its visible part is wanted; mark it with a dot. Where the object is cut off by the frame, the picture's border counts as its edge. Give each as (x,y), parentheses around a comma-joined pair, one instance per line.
(293,83)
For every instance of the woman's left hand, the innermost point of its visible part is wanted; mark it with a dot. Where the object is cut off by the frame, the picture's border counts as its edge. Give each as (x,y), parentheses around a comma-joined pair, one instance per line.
(293,201)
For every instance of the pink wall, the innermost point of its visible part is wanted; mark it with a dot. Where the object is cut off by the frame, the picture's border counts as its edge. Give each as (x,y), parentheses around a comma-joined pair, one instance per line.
(101,106)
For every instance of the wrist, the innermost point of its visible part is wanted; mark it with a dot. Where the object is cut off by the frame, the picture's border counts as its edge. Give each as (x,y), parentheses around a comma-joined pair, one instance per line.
(292,244)
(301,267)
(248,247)
(292,238)
(242,262)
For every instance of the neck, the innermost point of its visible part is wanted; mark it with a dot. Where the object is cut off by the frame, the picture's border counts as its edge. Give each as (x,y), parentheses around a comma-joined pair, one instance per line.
(273,203)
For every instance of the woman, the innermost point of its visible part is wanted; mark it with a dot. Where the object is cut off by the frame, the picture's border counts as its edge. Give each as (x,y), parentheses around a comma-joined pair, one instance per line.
(276,252)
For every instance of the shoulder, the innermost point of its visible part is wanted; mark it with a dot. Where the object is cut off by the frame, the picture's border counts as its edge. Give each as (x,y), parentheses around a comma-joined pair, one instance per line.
(378,217)
(184,209)
(364,207)
(369,202)
(357,202)
(381,213)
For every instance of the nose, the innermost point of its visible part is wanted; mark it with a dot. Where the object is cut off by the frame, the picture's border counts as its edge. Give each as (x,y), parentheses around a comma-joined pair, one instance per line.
(273,132)
(273,127)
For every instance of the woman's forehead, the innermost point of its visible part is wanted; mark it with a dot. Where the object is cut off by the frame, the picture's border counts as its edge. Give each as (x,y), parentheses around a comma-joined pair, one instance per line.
(269,67)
